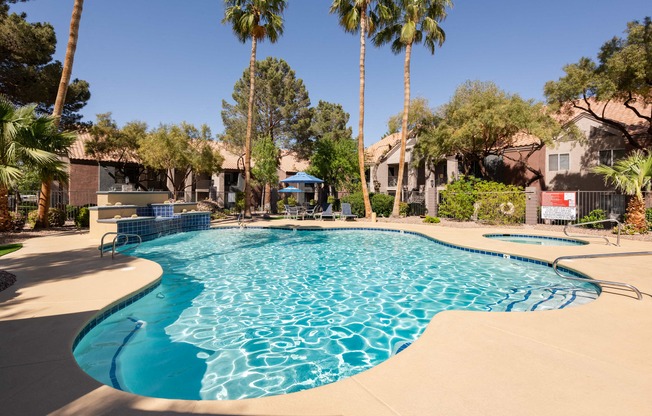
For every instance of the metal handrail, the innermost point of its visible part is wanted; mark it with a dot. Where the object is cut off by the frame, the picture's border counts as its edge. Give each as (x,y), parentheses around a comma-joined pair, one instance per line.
(115,239)
(602,282)
(620,225)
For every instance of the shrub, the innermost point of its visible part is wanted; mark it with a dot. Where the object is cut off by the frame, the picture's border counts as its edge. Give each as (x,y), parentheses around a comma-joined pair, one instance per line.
(403,209)
(82,219)
(357,203)
(499,203)
(648,217)
(17,221)
(492,202)
(280,206)
(32,216)
(239,201)
(382,204)
(458,198)
(431,220)
(56,217)
(595,215)
(208,206)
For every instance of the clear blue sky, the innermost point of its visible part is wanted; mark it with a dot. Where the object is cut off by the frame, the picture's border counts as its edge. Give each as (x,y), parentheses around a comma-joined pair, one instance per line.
(165,61)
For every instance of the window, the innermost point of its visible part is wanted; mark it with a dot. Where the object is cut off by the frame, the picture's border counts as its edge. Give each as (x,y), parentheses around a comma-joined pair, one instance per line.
(611,156)
(559,161)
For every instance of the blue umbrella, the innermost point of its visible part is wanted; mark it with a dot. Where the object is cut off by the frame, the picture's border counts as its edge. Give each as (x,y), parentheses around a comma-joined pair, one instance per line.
(302,177)
(290,189)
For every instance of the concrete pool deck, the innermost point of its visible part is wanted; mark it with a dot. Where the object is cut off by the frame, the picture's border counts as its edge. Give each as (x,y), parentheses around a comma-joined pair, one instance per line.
(594,359)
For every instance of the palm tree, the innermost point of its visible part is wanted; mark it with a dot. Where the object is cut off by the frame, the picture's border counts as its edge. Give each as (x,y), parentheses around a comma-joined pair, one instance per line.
(66,74)
(631,175)
(413,21)
(256,20)
(17,148)
(45,133)
(357,15)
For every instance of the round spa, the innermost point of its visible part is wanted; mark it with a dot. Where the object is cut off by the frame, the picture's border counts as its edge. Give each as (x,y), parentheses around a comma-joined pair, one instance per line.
(539,240)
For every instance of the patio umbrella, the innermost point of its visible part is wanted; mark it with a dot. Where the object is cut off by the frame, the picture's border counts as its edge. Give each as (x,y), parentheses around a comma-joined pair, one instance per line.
(290,189)
(302,177)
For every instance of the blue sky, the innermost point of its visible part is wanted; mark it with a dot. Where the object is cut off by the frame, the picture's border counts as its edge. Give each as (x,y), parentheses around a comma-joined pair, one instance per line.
(166,61)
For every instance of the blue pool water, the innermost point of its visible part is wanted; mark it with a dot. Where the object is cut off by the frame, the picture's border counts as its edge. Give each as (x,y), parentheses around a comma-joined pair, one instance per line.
(244,313)
(536,240)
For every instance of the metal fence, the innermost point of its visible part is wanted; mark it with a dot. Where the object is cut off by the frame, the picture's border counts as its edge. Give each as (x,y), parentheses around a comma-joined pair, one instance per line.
(610,204)
(69,202)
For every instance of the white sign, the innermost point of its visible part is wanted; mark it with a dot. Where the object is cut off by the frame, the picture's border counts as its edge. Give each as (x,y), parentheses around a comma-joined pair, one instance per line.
(559,213)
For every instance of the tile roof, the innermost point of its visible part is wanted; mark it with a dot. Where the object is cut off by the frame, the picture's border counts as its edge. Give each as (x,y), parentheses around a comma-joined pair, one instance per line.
(290,162)
(376,151)
(614,110)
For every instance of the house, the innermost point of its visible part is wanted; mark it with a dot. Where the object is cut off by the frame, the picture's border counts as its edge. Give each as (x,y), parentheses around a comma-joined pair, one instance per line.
(569,162)
(564,165)
(121,172)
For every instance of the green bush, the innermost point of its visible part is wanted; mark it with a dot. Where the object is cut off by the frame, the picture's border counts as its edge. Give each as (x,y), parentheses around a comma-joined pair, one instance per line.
(239,201)
(17,221)
(382,204)
(431,220)
(357,203)
(403,209)
(280,206)
(56,217)
(595,215)
(32,216)
(492,202)
(82,219)
(648,217)
(500,203)
(458,198)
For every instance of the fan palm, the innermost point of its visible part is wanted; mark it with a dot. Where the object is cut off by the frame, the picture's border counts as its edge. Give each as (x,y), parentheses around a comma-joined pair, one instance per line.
(254,20)
(631,175)
(412,22)
(18,147)
(44,133)
(354,16)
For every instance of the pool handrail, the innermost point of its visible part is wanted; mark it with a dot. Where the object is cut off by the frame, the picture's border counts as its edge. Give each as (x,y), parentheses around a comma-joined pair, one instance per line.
(633,288)
(115,239)
(620,225)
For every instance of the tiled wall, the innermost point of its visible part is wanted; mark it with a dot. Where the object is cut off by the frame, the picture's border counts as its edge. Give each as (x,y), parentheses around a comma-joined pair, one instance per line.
(151,228)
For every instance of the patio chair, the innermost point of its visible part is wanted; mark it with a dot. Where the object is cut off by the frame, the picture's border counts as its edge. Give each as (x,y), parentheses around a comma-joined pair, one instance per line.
(293,212)
(346,212)
(327,213)
(311,212)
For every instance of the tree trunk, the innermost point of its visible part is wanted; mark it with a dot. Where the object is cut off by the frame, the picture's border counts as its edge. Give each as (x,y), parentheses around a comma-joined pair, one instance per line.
(363,179)
(5,219)
(250,121)
(404,132)
(66,73)
(267,205)
(636,214)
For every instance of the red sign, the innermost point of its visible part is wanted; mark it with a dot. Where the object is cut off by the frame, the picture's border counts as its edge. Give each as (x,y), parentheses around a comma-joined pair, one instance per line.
(558,199)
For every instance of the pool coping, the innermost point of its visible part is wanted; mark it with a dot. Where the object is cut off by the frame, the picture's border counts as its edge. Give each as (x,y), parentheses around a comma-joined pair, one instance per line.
(465,363)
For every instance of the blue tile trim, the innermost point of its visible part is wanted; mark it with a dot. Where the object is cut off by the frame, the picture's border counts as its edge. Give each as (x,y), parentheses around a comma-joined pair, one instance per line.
(110,310)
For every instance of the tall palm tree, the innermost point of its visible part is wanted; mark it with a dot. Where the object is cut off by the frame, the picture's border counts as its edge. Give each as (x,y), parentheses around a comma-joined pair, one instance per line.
(256,20)
(66,74)
(631,175)
(359,15)
(17,148)
(413,21)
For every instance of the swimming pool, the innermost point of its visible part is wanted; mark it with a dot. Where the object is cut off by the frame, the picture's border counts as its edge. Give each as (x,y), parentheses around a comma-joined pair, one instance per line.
(244,313)
(539,240)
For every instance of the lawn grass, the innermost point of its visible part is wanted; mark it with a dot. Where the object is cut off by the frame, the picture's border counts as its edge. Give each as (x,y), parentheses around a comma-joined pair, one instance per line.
(9,248)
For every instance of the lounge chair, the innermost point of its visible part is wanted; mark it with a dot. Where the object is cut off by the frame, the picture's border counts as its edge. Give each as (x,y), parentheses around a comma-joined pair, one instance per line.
(292,212)
(327,213)
(346,212)
(311,212)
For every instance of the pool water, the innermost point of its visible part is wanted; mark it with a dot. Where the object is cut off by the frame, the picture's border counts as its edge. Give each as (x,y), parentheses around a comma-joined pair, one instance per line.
(245,313)
(536,240)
